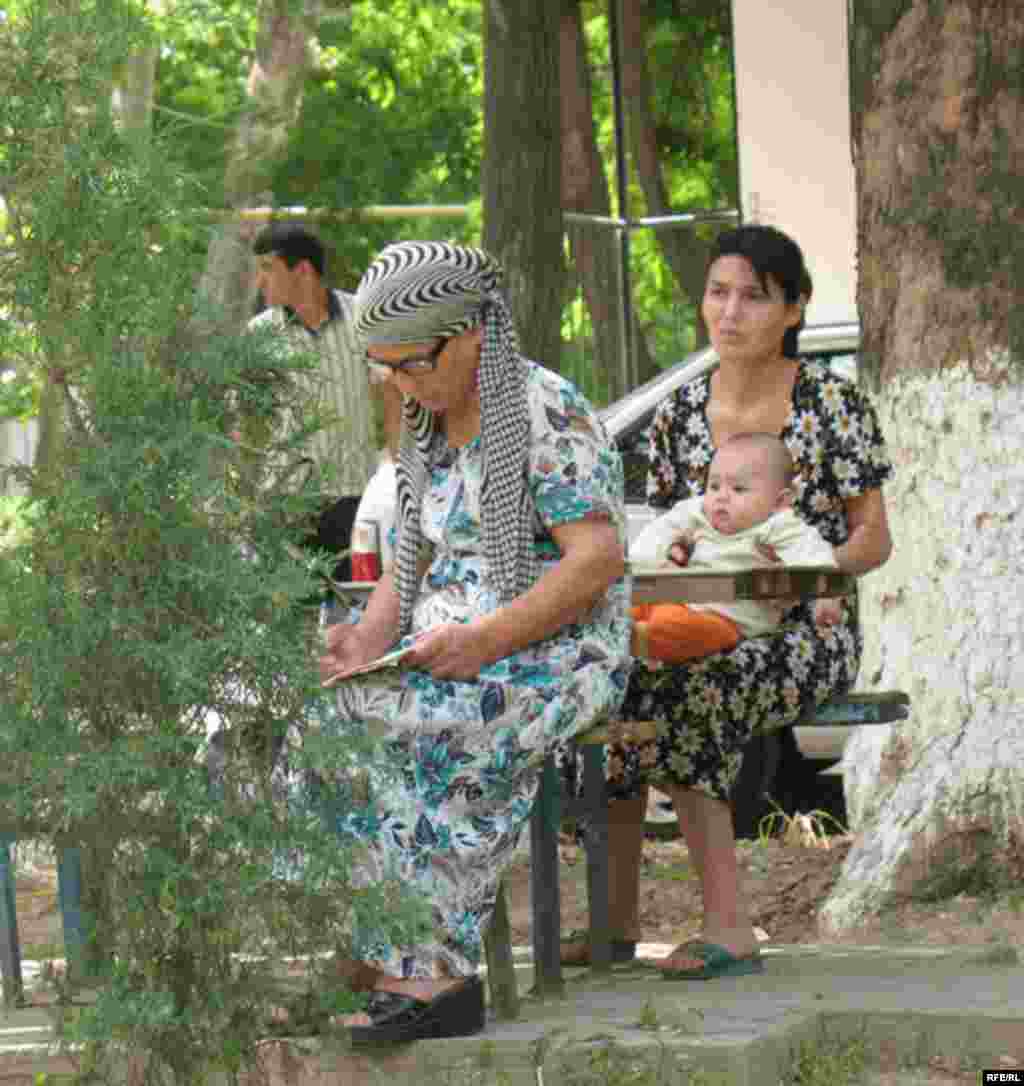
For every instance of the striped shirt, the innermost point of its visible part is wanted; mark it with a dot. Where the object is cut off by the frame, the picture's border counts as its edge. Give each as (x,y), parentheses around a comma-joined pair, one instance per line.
(344,450)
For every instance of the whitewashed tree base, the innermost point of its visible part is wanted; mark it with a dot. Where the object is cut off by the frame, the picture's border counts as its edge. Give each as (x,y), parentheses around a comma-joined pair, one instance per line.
(944,620)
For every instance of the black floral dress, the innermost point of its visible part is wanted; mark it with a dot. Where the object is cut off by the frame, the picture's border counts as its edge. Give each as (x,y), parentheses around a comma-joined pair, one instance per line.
(711,707)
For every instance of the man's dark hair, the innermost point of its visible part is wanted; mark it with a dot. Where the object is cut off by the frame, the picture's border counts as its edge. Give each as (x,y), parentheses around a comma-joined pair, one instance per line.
(292,243)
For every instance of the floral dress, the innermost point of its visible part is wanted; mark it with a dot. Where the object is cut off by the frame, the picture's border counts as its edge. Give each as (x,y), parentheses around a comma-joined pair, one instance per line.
(466,754)
(710,708)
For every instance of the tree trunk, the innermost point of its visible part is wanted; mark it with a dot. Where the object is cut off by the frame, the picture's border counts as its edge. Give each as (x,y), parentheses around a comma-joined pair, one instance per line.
(520,171)
(684,251)
(938,100)
(275,97)
(593,249)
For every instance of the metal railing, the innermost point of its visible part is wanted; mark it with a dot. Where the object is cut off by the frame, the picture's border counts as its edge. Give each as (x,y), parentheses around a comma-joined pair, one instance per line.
(627,313)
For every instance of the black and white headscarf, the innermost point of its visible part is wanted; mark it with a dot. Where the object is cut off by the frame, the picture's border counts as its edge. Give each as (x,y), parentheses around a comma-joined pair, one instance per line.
(415,292)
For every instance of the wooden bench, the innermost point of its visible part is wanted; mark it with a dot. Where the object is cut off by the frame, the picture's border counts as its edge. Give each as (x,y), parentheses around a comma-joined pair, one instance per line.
(553,804)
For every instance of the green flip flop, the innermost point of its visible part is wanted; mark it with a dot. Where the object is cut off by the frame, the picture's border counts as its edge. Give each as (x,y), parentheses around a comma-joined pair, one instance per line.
(718,961)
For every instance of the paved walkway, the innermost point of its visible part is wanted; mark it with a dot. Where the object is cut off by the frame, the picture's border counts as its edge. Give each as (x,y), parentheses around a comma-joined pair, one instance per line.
(964,1005)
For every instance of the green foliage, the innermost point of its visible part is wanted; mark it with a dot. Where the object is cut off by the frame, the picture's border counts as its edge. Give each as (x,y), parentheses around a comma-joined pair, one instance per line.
(147,593)
(377,69)
(690,68)
(410,74)
(19,392)
(14,520)
(828,1061)
(973,865)
(390,112)
(206,49)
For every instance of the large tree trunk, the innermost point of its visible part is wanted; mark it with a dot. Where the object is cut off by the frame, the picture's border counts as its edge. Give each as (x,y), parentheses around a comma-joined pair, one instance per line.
(684,251)
(594,250)
(520,172)
(274,87)
(939,136)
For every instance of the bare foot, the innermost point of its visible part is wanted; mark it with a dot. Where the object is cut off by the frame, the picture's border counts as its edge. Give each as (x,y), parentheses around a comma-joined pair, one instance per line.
(577,951)
(358,976)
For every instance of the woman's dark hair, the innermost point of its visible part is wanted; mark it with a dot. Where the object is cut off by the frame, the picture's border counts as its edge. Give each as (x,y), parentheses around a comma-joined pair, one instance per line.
(770,252)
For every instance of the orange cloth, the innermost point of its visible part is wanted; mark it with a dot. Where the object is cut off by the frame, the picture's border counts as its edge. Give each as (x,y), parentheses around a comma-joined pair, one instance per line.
(675,633)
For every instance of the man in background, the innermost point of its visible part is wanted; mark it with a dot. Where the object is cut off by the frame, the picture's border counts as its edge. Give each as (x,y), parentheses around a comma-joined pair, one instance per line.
(290,275)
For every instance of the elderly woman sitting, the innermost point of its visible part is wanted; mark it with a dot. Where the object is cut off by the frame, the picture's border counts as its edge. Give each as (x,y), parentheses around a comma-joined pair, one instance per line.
(509,589)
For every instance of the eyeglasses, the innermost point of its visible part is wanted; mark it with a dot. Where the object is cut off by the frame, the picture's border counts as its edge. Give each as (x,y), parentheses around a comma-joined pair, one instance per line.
(413,365)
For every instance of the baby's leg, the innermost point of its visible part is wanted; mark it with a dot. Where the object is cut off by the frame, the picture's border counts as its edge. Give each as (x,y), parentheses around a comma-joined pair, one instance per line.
(675,633)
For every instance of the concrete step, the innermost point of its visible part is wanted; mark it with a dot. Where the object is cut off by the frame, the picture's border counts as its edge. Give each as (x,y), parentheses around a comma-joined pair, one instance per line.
(962,1005)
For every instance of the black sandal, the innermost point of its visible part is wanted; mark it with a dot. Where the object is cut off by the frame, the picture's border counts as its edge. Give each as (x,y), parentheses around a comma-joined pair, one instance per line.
(457,1012)
(623,950)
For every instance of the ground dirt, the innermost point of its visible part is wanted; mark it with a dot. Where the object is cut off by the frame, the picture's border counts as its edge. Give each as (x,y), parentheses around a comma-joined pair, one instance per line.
(786,880)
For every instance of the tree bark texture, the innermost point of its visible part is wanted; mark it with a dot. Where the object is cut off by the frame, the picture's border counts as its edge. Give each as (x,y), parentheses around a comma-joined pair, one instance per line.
(684,251)
(938,98)
(938,127)
(521,167)
(274,90)
(594,250)
(937,802)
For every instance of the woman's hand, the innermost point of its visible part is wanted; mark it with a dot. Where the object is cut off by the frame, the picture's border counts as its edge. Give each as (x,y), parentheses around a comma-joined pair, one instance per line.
(827,612)
(451,651)
(346,647)
(869,543)
(781,604)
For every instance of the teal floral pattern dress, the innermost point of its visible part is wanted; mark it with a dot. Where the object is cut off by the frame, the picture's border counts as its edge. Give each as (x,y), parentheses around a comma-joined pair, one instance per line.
(466,754)
(709,709)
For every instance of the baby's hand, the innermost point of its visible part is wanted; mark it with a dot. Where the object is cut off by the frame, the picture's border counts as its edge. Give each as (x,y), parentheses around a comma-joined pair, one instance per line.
(680,551)
(827,612)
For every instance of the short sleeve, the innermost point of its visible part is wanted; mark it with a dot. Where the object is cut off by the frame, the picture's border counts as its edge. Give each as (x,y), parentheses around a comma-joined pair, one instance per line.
(575,471)
(838,447)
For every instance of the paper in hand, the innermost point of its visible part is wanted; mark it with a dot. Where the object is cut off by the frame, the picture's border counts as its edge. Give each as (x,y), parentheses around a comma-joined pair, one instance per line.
(389,659)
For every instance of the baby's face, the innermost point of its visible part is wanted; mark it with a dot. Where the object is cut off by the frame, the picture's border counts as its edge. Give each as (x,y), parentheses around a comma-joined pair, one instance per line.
(742,491)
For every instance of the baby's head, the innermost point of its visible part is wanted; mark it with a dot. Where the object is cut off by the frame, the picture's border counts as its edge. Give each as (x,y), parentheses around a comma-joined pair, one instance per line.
(748,480)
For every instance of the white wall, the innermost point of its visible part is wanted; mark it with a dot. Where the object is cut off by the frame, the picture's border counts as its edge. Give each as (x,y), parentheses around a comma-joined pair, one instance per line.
(796,169)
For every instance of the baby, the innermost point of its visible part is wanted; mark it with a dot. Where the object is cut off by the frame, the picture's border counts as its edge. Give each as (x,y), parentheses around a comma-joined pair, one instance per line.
(743,517)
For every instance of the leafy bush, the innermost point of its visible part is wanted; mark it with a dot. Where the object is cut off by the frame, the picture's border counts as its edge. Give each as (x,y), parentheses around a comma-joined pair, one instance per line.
(151,594)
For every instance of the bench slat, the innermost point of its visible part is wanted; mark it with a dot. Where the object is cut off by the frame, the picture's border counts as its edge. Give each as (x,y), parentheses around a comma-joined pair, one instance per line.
(665,585)
(882,707)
